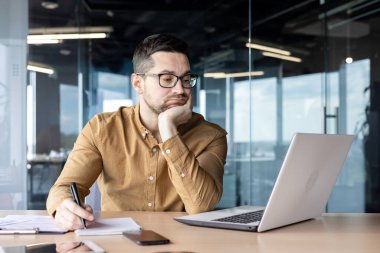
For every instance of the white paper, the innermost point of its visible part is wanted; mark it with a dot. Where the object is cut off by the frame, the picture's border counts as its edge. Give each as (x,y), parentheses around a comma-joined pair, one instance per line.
(111,226)
(44,223)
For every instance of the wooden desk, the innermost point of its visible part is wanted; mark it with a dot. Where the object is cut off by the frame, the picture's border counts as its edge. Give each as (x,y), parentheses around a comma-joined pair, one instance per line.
(330,233)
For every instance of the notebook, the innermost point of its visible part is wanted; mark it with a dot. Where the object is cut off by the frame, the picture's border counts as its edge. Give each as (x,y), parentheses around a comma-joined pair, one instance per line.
(302,188)
(110,226)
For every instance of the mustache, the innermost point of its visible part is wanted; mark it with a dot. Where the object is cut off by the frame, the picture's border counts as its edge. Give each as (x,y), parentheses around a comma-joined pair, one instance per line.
(179,97)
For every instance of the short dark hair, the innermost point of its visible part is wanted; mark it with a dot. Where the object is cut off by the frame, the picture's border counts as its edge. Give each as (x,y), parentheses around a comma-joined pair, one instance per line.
(142,61)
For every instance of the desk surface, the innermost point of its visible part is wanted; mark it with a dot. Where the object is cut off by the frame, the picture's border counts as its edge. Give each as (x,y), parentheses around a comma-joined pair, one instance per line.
(330,233)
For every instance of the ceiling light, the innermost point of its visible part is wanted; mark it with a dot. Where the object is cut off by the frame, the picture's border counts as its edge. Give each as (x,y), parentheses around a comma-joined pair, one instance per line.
(68,36)
(283,57)
(71,29)
(65,51)
(215,75)
(57,34)
(266,48)
(349,60)
(218,75)
(49,4)
(243,74)
(40,69)
(110,13)
(37,42)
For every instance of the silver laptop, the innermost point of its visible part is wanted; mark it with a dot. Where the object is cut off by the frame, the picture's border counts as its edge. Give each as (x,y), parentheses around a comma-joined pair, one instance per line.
(301,191)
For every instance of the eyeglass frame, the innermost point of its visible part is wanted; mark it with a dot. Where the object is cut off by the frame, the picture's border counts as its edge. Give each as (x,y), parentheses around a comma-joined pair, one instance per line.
(175,83)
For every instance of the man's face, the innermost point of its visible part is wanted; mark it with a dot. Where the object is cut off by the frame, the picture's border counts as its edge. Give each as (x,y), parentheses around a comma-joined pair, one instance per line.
(157,98)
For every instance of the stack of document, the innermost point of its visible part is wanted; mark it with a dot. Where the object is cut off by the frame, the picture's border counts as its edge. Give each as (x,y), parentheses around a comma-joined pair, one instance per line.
(32,224)
(20,224)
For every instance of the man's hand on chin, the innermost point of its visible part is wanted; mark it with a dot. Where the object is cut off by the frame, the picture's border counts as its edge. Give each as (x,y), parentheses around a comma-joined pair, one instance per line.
(170,119)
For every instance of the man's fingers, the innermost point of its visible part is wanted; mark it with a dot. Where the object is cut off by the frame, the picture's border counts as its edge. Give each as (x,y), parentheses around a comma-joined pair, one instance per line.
(79,211)
(64,218)
(89,208)
(68,215)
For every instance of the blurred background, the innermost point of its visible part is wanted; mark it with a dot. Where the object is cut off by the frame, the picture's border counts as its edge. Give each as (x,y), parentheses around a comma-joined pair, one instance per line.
(268,69)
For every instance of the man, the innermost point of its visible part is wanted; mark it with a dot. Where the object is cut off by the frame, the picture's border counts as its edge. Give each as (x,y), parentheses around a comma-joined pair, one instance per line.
(154,156)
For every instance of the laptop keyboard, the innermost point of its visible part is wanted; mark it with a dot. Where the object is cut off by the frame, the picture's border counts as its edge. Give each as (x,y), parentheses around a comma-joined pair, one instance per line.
(243,218)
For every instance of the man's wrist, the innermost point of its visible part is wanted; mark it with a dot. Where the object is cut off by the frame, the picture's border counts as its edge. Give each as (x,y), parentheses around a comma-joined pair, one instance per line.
(166,127)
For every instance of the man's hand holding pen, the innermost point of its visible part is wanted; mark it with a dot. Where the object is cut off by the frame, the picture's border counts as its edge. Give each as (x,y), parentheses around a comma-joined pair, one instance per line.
(69,215)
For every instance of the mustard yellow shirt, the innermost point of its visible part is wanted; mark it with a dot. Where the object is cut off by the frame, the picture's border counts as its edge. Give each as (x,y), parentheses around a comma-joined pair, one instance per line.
(135,172)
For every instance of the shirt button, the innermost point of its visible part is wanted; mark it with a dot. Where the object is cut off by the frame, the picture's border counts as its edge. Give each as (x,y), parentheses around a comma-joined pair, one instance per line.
(183,174)
(154,150)
(151,178)
(150,204)
(167,151)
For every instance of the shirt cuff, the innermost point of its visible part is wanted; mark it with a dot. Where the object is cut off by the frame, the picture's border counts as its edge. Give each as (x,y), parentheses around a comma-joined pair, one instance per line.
(173,148)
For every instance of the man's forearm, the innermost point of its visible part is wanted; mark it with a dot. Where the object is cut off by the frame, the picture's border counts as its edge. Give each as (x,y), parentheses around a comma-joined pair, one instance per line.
(200,189)
(167,128)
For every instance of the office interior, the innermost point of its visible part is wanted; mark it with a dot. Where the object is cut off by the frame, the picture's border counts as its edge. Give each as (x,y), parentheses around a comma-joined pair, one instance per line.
(268,69)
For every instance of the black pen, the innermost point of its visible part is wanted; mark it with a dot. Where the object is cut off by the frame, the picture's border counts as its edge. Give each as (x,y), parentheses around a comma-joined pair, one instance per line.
(74,193)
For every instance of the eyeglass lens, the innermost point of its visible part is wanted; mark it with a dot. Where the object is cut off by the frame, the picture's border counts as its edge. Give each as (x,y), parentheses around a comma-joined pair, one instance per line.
(169,80)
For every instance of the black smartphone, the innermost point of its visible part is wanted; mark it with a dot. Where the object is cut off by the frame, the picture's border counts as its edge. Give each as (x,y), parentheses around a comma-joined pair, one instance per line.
(146,237)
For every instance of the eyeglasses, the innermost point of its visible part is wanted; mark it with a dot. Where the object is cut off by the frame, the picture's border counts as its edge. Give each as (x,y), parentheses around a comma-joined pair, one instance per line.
(169,80)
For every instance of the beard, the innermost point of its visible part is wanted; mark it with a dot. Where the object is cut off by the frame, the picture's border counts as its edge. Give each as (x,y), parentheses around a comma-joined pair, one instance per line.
(168,102)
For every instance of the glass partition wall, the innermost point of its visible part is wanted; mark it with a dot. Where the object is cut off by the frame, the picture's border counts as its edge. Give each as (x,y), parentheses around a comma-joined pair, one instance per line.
(267,69)
(54,94)
(13,30)
(327,85)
